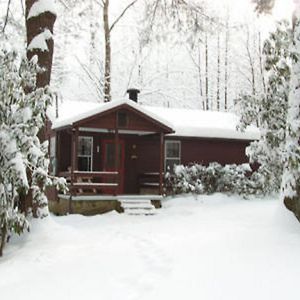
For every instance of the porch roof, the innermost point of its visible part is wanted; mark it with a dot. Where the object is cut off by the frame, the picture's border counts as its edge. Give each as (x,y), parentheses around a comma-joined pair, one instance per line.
(184,122)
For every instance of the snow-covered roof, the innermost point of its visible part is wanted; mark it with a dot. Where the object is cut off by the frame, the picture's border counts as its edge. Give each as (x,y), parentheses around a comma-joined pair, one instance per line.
(209,124)
(71,112)
(185,122)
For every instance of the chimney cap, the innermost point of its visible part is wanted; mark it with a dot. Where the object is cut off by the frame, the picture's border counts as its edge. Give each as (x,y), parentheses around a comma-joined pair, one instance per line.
(135,90)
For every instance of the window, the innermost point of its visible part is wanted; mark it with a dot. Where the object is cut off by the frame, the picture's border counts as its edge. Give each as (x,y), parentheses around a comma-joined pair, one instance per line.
(172,155)
(85,153)
(52,154)
(122,119)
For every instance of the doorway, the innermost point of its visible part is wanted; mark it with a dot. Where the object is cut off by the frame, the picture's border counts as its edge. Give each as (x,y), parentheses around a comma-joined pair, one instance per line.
(109,160)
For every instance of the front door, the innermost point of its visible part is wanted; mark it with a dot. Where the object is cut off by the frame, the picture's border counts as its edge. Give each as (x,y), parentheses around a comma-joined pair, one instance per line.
(109,160)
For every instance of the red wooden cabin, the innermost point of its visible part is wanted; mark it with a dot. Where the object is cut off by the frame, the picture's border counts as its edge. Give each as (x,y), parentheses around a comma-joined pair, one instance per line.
(123,147)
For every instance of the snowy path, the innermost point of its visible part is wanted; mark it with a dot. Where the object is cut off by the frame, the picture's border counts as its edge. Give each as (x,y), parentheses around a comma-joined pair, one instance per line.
(212,249)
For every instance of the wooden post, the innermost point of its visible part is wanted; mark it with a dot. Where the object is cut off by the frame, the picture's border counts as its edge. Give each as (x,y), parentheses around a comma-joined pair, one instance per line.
(76,149)
(73,165)
(161,167)
(117,151)
(57,152)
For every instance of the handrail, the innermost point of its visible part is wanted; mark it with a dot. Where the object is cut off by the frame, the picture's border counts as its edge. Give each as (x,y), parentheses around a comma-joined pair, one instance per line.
(96,179)
(90,173)
(96,173)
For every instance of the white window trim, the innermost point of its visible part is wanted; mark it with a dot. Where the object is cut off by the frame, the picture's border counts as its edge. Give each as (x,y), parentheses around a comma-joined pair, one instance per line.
(92,152)
(52,146)
(166,158)
(52,155)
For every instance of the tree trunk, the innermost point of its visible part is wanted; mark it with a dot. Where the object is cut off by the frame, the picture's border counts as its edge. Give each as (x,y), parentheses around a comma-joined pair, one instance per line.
(226,67)
(261,64)
(3,239)
(35,26)
(206,73)
(218,74)
(200,76)
(107,67)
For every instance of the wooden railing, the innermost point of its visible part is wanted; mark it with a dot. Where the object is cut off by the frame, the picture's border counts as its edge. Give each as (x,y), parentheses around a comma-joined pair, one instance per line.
(84,182)
(150,179)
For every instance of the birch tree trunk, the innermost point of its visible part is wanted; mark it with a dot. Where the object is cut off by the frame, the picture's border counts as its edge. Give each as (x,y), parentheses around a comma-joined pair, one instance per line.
(107,64)
(206,73)
(261,63)
(218,73)
(226,66)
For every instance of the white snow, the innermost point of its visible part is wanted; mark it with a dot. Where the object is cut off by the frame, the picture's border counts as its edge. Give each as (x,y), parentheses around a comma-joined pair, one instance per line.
(40,41)
(41,7)
(185,122)
(213,248)
(199,123)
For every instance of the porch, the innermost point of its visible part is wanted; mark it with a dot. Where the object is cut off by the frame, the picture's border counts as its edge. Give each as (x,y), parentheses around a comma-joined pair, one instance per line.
(116,152)
(99,164)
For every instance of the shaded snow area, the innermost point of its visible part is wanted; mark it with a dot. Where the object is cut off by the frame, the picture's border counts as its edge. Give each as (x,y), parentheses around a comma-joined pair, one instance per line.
(213,248)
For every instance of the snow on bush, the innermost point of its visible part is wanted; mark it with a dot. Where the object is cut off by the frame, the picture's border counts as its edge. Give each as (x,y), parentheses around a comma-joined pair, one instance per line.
(199,179)
(23,159)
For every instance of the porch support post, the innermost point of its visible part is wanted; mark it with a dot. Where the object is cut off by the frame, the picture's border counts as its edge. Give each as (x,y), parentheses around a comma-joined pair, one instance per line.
(117,152)
(76,149)
(161,167)
(57,152)
(73,165)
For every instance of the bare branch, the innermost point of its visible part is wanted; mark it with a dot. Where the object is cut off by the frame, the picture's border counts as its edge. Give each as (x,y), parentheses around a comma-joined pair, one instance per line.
(6,17)
(63,2)
(121,15)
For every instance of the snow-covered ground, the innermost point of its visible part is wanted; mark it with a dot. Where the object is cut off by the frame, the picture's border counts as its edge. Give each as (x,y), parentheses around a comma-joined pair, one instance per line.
(215,248)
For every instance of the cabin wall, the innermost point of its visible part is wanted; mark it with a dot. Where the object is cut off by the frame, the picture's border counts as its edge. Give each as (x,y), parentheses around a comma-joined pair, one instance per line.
(205,151)
(142,153)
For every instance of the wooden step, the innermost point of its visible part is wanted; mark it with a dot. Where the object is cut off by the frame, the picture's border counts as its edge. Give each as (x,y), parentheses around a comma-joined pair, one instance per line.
(137,205)
(135,201)
(140,212)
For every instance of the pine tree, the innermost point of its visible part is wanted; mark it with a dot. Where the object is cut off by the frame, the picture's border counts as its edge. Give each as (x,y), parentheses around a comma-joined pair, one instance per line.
(291,176)
(24,160)
(269,110)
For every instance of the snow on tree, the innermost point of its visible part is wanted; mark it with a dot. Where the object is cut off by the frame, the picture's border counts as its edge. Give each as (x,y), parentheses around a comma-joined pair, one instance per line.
(268,110)
(40,18)
(264,6)
(291,175)
(24,160)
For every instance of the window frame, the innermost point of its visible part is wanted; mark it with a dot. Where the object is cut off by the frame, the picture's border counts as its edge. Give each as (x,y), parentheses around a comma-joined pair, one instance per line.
(52,154)
(168,142)
(91,138)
